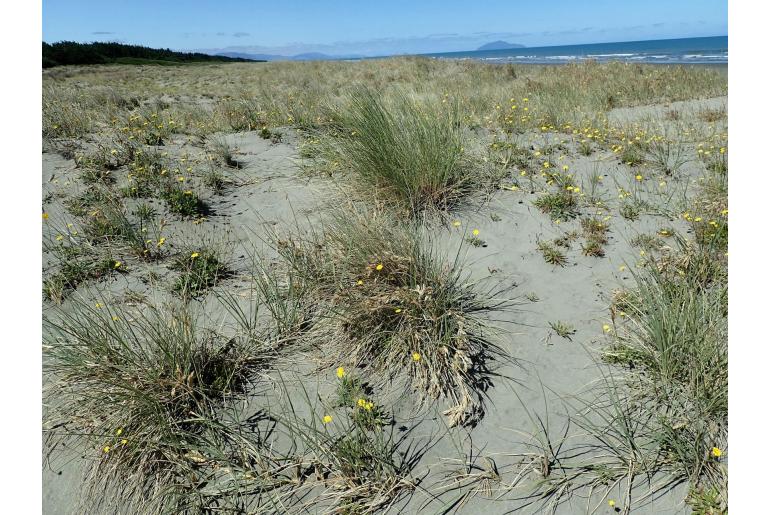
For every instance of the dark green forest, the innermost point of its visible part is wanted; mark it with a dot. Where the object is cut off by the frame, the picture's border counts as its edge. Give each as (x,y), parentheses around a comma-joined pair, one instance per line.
(70,52)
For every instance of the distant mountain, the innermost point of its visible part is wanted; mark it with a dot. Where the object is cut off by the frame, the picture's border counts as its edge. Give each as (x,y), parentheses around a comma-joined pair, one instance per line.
(310,56)
(500,45)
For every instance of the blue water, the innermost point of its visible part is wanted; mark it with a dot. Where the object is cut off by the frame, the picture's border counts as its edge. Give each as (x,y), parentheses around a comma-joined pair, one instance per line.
(711,50)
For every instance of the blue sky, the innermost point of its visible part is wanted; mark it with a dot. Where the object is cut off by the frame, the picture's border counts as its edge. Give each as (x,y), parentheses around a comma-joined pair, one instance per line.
(288,27)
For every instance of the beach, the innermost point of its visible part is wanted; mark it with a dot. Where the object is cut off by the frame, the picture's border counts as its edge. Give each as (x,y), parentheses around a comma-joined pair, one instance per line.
(399,285)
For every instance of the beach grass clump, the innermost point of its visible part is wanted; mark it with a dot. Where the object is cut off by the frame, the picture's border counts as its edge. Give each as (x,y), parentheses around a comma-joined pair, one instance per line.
(559,205)
(551,253)
(199,270)
(412,154)
(676,342)
(666,155)
(397,307)
(183,202)
(143,395)
(360,464)
(74,266)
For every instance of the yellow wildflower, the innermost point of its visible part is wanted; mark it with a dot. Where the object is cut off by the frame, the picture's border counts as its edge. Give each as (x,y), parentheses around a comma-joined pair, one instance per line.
(117,264)
(416,356)
(611,502)
(716,452)
(475,232)
(378,267)
(45,216)
(106,448)
(327,419)
(340,372)
(194,255)
(456,223)
(606,328)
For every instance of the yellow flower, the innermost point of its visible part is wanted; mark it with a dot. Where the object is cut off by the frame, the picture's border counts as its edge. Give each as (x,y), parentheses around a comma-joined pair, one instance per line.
(456,223)
(576,189)
(622,268)
(115,318)
(45,216)
(361,403)
(340,372)
(723,212)
(59,237)
(123,441)
(180,179)
(378,267)
(106,448)
(716,452)
(119,431)
(606,328)
(611,502)
(117,264)
(327,419)
(194,255)
(475,232)
(161,241)
(98,305)
(416,356)
(638,177)
(359,282)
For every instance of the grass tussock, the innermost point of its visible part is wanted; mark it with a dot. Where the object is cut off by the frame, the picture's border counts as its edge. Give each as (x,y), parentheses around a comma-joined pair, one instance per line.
(145,396)
(396,306)
(412,154)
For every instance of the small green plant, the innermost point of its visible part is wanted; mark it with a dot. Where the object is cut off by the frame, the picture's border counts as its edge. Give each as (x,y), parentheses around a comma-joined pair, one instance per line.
(631,155)
(562,329)
(593,247)
(184,202)
(560,205)
(585,148)
(199,271)
(551,254)
(630,211)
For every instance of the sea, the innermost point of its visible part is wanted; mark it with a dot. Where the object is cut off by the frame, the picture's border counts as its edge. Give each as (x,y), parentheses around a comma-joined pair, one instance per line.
(706,50)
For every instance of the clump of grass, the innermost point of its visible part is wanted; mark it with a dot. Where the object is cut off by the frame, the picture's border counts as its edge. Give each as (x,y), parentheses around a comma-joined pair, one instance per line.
(552,254)
(412,154)
(585,148)
(666,155)
(398,308)
(593,247)
(631,155)
(647,242)
(75,266)
(676,340)
(562,329)
(365,466)
(142,395)
(183,202)
(560,205)
(595,233)
(223,151)
(199,271)
(710,115)
(630,211)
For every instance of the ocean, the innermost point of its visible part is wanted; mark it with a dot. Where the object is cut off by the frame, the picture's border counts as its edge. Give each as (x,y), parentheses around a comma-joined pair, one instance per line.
(708,50)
